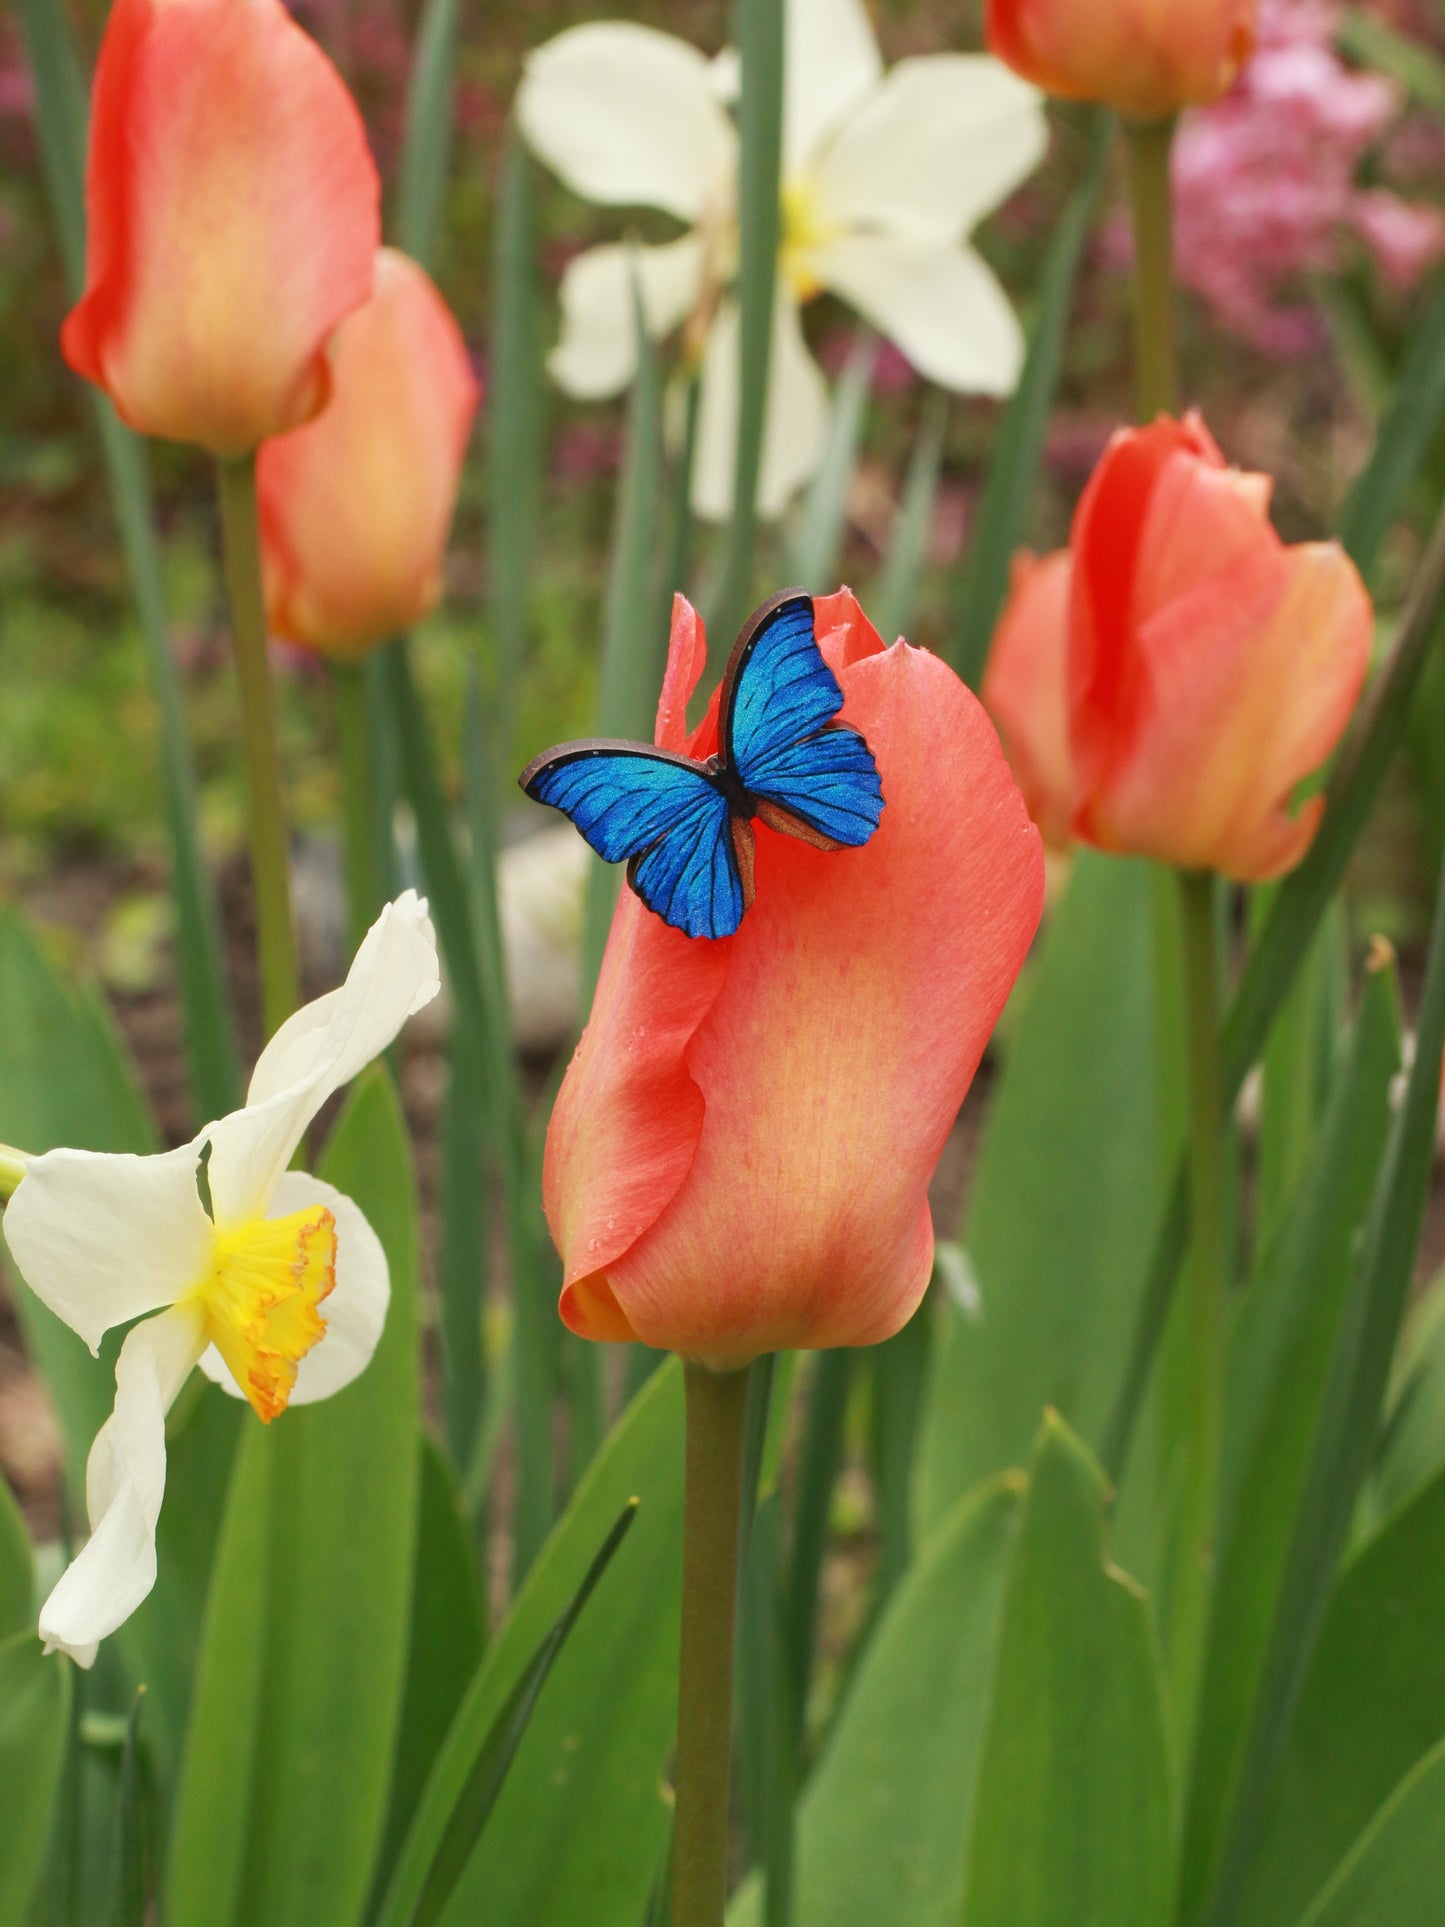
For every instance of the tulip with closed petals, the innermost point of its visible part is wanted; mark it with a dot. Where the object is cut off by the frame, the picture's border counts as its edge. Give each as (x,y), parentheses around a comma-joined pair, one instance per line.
(1210,666)
(356,506)
(232,212)
(1147,58)
(740,1154)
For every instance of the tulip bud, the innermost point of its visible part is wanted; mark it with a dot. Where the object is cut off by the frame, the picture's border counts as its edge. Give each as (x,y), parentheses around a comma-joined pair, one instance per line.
(233,212)
(356,506)
(740,1153)
(1024,691)
(1211,668)
(1147,58)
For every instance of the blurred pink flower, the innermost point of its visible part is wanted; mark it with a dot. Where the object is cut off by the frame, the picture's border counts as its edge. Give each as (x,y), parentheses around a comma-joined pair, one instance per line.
(1265,184)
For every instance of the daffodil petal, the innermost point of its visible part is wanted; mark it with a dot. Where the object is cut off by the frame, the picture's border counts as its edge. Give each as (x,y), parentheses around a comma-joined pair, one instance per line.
(125,1481)
(628,116)
(103,1238)
(314,1053)
(831,63)
(354,1311)
(941,143)
(796,422)
(597,352)
(941,306)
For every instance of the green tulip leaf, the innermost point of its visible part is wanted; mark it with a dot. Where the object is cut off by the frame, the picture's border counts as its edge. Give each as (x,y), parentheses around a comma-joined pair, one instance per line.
(1394,1876)
(34,1721)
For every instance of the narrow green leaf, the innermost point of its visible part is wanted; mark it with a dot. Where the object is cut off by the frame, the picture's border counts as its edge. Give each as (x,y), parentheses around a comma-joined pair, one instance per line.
(34,1721)
(894,599)
(818,1467)
(883,1822)
(130,1880)
(1412,1444)
(1062,1214)
(462,1269)
(634,645)
(1350,1415)
(1008,493)
(1394,1876)
(427,142)
(1419,70)
(1278,1363)
(1297,1066)
(62,113)
(1072,1823)
(900,1370)
(579,1824)
(1405,438)
(765,1769)
(1373,1703)
(813,558)
(446,1638)
(298,1692)
(17,1569)
(758,25)
(489,1769)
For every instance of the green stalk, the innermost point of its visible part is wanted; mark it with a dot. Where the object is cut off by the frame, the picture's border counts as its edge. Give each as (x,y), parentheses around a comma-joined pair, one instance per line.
(1156,371)
(12,1170)
(358,815)
(270,874)
(1194,1529)
(716,1406)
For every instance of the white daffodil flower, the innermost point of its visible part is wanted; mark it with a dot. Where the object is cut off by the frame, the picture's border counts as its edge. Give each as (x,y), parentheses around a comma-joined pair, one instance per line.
(239,1291)
(884,177)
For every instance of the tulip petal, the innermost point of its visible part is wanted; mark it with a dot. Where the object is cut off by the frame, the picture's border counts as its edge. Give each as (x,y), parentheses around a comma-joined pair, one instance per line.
(357,505)
(686,660)
(323,1046)
(125,1481)
(831,64)
(1246,684)
(628,116)
(941,143)
(233,213)
(1024,691)
(941,305)
(597,353)
(796,423)
(103,1238)
(355,1311)
(1147,58)
(779,1100)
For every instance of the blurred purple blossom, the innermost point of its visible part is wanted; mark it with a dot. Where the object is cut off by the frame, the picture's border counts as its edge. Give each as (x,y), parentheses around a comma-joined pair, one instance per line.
(1266,191)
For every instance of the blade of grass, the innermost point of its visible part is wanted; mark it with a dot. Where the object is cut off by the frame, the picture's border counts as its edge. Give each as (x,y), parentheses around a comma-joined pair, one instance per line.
(813,561)
(896,596)
(1283,942)
(1008,493)
(1349,1422)
(759,40)
(210,1048)
(479,1795)
(1404,440)
(427,142)
(130,1878)
(822,1455)
(634,643)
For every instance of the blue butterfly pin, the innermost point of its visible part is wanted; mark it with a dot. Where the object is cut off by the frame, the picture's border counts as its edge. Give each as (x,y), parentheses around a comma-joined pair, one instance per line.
(684,827)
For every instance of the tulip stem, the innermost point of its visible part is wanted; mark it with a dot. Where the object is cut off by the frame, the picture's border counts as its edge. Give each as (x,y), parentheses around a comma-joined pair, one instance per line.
(1194,1534)
(716,1407)
(270,873)
(358,816)
(12,1170)
(1156,371)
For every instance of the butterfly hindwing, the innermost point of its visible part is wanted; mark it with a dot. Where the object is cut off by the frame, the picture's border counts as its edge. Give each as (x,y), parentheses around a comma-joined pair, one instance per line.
(777,715)
(664,813)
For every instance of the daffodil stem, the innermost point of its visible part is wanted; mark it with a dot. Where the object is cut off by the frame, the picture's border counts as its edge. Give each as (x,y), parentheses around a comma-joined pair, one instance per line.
(270,872)
(358,816)
(12,1170)
(1155,371)
(1194,1534)
(716,1408)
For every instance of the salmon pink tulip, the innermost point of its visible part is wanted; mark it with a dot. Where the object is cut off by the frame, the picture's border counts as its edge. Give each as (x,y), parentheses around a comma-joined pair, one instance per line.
(356,506)
(1211,667)
(1024,691)
(1146,58)
(740,1154)
(233,213)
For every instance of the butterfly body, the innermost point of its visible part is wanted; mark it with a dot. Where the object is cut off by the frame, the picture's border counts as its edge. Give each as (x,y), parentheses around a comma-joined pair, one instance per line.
(684,827)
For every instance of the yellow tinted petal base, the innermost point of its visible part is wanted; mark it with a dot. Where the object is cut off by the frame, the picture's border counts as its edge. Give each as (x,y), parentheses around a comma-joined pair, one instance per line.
(261,1295)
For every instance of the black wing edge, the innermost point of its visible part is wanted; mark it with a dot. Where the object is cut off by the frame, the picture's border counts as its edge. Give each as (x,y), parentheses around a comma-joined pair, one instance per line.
(743,648)
(586,746)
